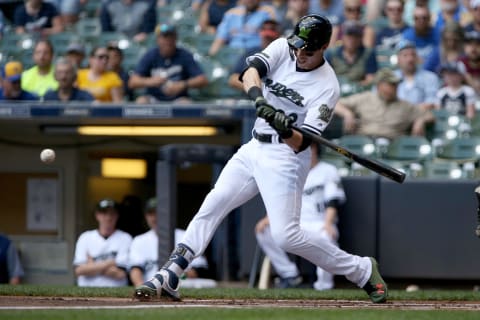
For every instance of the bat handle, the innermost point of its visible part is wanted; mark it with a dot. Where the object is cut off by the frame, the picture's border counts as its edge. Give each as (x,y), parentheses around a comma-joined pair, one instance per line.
(477,193)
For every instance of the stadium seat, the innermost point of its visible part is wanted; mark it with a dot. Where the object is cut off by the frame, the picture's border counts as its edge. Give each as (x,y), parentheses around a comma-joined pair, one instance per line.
(446,126)
(359,144)
(460,150)
(228,56)
(386,57)
(89,29)
(409,149)
(60,41)
(442,170)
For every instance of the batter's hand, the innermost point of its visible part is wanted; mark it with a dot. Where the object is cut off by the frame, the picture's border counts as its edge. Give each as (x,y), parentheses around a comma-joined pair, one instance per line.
(282,124)
(264,110)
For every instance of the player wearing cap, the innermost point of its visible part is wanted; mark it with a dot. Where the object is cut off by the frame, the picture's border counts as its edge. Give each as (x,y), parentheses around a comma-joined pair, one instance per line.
(290,82)
(101,255)
(143,256)
(11,84)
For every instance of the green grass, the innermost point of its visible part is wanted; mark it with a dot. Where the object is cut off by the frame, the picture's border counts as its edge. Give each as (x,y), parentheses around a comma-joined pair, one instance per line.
(240,312)
(236,314)
(241,293)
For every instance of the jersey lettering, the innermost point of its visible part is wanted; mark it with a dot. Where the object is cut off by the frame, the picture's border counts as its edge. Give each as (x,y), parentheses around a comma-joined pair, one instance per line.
(281,90)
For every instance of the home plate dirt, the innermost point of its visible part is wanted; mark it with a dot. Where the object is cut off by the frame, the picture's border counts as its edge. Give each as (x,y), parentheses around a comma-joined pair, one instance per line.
(24,303)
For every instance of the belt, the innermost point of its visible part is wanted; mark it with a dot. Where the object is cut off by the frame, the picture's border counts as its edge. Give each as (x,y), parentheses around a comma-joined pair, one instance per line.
(267,138)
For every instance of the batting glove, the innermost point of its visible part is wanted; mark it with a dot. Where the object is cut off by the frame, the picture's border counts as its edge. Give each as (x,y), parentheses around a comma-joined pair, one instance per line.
(264,110)
(282,124)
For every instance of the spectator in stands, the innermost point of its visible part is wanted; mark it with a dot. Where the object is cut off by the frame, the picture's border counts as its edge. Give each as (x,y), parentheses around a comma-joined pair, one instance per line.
(143,256)
(322,197)
(240,25)
(211,14)
(11,270)
(456,97)
(40,78)
(103,84)
(37,16)
(115,61)
(410,5)
(417,86)
(167,71)
(352,61)
(422,34)
(134,18)
(76,54)
(380,113)
(269,31)
(451,11)
(332,9)
(2,24)
(353,12)
(471,60)
(11,84)
(101,255)
(390,35)
(450,50)
(295,10)
(475,11)
(66,76)
(70,10)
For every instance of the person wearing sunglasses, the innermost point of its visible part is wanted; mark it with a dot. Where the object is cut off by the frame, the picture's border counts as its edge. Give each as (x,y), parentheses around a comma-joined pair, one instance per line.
(389,36)
(103,84)
(291,84)
(101,254)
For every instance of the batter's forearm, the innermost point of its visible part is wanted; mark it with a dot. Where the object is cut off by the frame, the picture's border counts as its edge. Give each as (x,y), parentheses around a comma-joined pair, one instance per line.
(251,79)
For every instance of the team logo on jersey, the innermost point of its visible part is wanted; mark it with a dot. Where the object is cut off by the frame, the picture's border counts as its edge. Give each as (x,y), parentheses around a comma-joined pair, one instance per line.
(281,90)
(324,113)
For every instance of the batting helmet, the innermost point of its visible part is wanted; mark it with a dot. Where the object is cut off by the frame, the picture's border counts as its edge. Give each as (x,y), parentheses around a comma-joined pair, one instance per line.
(311,33)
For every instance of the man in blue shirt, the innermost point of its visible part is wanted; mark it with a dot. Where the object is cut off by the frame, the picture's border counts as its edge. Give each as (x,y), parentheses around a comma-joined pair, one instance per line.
(11,90)
(37,16)
(425,37)
(240,25)
(66,75)
(166,71)
(11,270)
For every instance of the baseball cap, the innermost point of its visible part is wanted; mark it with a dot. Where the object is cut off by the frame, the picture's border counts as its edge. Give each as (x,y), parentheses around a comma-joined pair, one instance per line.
(386,75)
(76,47)
(405,44)
(165,30)
(454,67)
(151,205)
(12,71)
(472,36)
(353,28)
(105,204)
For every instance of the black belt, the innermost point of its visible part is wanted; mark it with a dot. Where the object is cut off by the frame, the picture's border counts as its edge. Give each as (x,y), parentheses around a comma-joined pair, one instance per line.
(266,138)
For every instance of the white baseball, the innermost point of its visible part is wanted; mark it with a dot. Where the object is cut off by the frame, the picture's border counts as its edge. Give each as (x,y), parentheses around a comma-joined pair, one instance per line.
(47,155)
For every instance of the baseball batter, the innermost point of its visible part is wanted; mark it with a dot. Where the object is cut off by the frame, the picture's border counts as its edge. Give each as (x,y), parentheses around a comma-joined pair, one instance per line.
(322,195)
(290,82)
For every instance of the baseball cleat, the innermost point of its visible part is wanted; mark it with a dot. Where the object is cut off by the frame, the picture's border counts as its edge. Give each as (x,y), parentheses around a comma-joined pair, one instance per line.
(376,286)
(163,285)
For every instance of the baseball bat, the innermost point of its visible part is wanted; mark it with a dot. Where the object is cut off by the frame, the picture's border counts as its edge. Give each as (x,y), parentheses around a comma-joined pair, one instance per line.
(380,168)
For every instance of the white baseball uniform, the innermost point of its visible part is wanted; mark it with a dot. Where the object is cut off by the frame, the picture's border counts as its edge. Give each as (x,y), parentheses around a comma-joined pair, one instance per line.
(277,172)
(323,185)
(144,253)
(92,244)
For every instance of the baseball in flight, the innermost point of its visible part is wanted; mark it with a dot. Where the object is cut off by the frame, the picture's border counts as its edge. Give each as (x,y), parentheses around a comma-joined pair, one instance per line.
(47,155)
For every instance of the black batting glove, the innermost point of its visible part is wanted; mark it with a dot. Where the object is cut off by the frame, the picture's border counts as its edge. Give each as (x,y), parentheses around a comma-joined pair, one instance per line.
(264,110)
(282,124)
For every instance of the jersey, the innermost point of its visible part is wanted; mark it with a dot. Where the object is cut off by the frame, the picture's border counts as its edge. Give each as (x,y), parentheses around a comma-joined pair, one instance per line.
(456,100)
(92,244)
(144,253)
(100,88)
(323,185)
(311,96)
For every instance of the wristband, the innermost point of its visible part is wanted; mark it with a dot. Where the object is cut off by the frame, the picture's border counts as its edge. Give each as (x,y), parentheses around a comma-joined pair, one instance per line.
(254,92)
